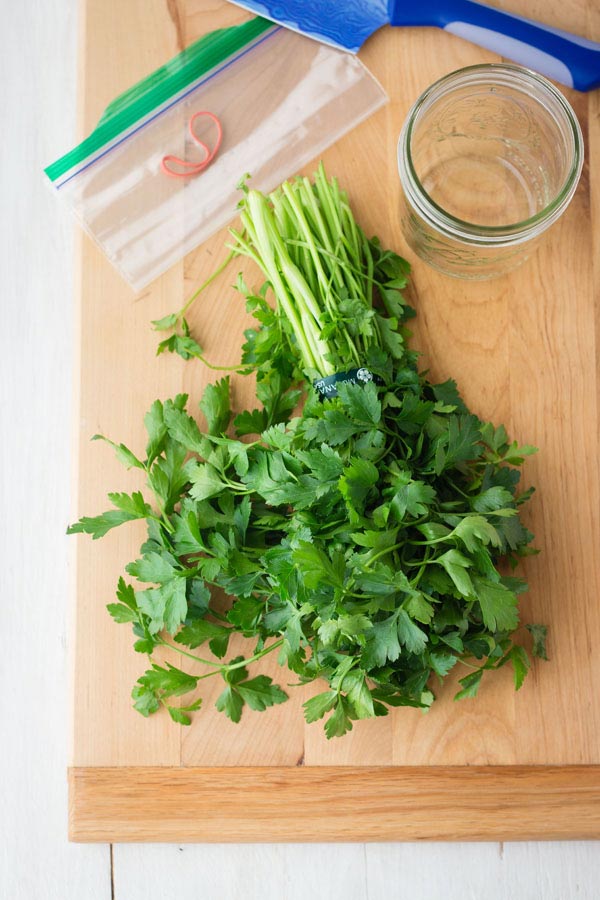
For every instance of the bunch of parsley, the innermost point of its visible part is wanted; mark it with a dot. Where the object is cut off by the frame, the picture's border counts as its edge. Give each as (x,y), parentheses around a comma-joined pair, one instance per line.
(360,539)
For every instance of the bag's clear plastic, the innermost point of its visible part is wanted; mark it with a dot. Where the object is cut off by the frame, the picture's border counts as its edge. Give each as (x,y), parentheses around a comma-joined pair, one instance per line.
(281,99)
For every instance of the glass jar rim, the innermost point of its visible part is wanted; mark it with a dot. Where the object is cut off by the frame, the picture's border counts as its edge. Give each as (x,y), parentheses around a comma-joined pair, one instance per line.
(490,73)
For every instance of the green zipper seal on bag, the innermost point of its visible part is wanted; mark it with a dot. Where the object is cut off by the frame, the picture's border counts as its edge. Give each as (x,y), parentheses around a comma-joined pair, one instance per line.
(139,101)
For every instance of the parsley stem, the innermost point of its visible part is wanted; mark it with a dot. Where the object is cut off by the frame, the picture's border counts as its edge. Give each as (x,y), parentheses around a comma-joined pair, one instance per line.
(220,667)
(344,264)
(166,522)
(256,656)
(418,576)
(161,522)
(207,662)
(468,665)
(381,553)
(236,485)
(243,662)
(437,540)
(218,615)
(241,368)
(204,285)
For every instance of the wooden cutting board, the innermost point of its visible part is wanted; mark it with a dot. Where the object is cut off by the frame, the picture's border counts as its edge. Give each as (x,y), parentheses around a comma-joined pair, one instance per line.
(524,352)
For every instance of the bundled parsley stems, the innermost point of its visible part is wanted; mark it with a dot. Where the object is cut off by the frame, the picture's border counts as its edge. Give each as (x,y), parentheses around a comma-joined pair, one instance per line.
(359,539)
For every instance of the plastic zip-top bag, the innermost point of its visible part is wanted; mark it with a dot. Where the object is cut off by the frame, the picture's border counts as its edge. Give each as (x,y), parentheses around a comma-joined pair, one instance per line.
(160,172)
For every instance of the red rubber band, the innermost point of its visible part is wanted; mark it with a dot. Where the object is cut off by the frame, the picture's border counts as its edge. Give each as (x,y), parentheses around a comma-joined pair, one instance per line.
(194,168)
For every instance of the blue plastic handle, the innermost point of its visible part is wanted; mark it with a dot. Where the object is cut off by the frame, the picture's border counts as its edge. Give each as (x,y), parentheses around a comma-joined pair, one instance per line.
(571,60)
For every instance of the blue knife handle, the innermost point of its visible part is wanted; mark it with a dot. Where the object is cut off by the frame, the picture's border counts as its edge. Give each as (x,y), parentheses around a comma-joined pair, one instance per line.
(564,57)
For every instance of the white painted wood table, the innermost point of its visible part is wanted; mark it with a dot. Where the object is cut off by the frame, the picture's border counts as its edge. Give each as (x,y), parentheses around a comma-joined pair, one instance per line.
(37,103)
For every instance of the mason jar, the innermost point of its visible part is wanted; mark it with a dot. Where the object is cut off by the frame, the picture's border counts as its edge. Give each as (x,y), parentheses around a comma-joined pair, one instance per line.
(489,157)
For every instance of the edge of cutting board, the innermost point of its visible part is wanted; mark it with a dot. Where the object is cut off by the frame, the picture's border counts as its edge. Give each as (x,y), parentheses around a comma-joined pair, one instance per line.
(297,804)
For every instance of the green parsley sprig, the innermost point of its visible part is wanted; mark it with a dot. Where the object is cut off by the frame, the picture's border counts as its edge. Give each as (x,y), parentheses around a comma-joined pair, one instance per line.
(361,539)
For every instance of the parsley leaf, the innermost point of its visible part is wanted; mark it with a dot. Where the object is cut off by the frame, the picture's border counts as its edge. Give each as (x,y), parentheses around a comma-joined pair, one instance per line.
(258,693)
(539,633)
(167,681)
(165,606)
(200,630)
(129,507)
(215,406)
(498,605)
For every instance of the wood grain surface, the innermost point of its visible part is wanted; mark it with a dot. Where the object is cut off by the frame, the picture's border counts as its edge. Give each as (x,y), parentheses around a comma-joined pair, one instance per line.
(334,803)
(523,350)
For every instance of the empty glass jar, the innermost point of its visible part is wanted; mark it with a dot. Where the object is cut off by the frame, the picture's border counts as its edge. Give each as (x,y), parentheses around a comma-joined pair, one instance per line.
(489,157)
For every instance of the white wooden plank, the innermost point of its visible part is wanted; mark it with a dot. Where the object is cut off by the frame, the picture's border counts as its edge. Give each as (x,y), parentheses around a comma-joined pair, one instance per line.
(240,872)
(413,871)
(558,871)
(527,871)
(37,111)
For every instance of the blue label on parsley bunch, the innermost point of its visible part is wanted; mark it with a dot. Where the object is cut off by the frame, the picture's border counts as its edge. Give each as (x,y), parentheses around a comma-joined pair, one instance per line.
(327,387)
